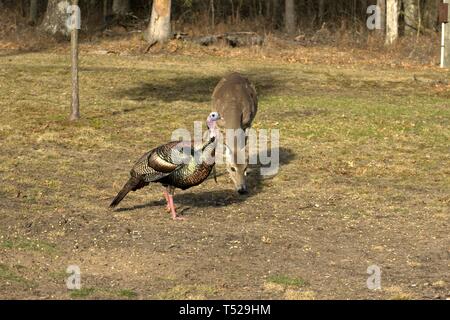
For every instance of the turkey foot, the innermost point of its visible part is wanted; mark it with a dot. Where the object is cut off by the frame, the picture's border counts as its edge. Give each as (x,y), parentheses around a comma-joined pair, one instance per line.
(166,196)
(171,207)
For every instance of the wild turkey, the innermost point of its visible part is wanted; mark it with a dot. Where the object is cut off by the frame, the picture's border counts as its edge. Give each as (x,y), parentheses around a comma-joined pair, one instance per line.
(173,168)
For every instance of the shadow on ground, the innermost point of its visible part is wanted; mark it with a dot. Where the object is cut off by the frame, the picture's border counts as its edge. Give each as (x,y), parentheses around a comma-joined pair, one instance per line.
(220,198)
(191,88)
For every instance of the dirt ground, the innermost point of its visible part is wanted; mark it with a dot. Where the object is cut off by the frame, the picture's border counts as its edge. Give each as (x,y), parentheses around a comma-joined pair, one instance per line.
(364,180)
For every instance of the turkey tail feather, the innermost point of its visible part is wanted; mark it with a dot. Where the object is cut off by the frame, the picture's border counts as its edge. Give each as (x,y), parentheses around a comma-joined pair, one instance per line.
(130,185)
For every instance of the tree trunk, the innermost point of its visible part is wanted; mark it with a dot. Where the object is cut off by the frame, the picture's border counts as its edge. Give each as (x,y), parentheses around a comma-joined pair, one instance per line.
(107,10)
(232,11)
(290,18)
(309,10)
(275,13)
(364,6)
(213,14)
(55,18)
(121,7)
(411,16)
(382,5)
(33,11)
(267,9)
(158,29)
(391,21)
(430,13)
(238,12)
(321,11)
(75,110)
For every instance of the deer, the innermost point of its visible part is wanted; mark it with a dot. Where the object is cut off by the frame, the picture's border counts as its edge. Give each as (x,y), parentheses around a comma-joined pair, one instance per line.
(235,99)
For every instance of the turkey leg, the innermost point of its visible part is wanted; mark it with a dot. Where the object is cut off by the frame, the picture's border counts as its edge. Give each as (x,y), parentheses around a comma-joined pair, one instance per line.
(171,206)
(166,196)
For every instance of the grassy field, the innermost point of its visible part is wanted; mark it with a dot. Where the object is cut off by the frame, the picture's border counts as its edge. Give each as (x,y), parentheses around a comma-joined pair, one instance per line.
(364,180)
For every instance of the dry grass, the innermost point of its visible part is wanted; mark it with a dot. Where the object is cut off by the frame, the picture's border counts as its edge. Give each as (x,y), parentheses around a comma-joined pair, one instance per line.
(344,43)
(364,166)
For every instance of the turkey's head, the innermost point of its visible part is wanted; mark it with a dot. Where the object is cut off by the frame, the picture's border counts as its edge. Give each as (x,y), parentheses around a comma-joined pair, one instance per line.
(211,123)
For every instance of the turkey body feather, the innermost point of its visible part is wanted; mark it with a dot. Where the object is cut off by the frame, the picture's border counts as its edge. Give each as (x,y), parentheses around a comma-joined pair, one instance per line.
(175,165)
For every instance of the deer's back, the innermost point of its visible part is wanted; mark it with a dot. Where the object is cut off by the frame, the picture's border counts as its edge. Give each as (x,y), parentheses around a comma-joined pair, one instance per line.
(236,101)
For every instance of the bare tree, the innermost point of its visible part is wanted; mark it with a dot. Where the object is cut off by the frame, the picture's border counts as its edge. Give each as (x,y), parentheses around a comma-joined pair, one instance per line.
(321,11)
(411,9)
(275,12)
(364,6)
(106,9)
(430,13)
(33,11)
(382,6)
(213,13)
(75,110)
(290,17)
(159,28)
(121,7)
(391,21)
(55,18)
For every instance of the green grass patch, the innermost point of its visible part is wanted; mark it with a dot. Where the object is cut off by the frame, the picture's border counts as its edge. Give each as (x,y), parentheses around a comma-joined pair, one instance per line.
(354,143)
(189,292)
(6,274)
(125,293)
(29,245)
(82,293)
(59,275)
(285,280)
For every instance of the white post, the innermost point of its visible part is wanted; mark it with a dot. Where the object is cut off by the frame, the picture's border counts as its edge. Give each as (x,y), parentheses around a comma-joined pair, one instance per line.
(445,45)
(442,44)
